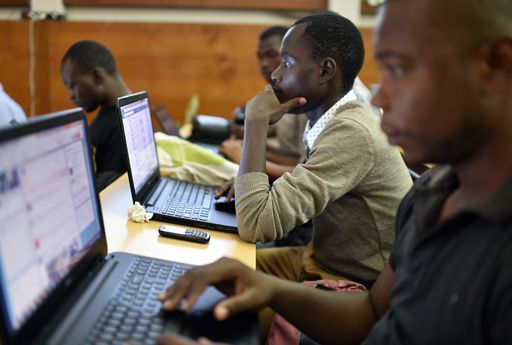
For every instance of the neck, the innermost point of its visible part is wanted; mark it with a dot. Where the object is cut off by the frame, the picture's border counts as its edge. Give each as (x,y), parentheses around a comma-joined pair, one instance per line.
(117,88)
(483,175)
(315,114)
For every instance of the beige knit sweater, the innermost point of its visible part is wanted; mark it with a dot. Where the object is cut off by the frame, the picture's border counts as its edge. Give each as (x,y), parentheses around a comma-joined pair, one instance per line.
(350,186)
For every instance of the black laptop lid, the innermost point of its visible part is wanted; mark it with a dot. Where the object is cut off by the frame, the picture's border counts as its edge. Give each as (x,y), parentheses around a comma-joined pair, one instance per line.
(52,229)
(139,143)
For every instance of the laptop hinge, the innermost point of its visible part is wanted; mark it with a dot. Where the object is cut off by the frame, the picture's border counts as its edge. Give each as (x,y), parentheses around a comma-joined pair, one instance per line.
(156,193)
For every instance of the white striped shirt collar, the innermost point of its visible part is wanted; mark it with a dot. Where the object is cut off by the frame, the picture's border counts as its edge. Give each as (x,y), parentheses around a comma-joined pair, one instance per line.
(311,133)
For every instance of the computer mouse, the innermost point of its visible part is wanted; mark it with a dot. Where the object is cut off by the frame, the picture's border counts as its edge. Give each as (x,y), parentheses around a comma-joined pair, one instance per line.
(225,206)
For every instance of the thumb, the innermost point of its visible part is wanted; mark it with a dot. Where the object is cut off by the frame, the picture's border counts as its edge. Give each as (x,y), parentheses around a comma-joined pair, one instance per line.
(234,305)
(294,102)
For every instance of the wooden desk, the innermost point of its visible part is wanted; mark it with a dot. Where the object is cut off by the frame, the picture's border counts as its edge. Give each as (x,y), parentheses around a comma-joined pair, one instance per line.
(143,239)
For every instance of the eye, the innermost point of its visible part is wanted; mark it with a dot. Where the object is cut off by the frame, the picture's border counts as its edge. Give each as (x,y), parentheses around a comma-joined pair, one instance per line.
(395,70)
(285,63)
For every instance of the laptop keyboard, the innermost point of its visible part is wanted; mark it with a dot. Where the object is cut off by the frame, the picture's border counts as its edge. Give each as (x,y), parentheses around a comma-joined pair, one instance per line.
(132,312)
(190,201)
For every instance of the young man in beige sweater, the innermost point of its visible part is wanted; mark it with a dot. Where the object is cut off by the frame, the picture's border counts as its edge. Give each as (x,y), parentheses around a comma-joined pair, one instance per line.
(352,181)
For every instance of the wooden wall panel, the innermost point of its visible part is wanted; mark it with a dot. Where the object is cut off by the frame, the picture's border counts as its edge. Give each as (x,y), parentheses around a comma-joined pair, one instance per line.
(370,72)
(17,3)
(294,5)
(171,61)
(14,61)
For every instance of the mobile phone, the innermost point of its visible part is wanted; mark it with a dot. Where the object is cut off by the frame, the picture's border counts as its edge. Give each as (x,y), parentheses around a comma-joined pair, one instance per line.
(184,234)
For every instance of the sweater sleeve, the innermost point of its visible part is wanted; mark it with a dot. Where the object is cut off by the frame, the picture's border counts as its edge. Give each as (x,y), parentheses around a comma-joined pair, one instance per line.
(341,157)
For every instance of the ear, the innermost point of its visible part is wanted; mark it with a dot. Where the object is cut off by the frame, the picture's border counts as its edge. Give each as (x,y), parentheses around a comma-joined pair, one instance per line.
(99,75)
(497,65)
(327,69)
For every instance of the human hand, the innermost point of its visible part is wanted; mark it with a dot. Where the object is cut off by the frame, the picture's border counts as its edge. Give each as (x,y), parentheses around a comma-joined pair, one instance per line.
(227,189)
(247,290)
(265,106)
(237,131)
(179,340)
(232,149)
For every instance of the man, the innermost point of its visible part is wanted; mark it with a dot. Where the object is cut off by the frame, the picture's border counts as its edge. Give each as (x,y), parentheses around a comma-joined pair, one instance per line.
(89,71)
(10,112)
(446,93)
(286,148)
(352,181)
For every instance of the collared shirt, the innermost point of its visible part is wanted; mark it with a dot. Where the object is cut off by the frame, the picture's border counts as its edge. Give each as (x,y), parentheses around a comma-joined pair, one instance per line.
(453,277)
(10,112)
(361,91)
(311,133)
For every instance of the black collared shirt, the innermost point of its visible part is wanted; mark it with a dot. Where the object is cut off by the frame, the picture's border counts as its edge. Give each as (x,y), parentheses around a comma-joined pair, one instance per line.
(454,278)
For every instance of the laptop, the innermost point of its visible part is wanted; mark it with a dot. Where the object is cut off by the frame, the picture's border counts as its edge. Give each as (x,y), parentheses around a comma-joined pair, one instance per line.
(170,127)
(168,199)
(165,120)
(58,285)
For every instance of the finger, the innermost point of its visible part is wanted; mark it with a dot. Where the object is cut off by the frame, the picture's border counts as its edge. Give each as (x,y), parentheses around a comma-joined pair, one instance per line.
(191,285)
(183,292)
(294,102)
(238,303)
(175,294)
(222,190)
(231,194)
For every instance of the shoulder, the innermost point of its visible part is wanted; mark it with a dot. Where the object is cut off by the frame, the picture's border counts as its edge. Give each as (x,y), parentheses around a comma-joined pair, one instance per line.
(355,116)
(352,126)
(406,205)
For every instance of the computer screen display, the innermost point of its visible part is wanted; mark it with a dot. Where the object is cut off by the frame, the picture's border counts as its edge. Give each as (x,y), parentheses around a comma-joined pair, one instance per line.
(140,141)
(48,215)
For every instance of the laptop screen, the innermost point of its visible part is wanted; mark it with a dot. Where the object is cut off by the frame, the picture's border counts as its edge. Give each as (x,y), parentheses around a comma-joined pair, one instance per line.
(140,141)
(48,214)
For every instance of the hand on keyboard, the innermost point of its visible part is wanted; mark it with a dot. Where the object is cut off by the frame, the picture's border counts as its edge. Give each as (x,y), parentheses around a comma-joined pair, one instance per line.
(227,190)
(248,290)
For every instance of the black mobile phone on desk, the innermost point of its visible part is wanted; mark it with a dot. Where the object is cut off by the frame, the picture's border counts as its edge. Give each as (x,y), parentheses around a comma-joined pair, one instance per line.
(184,234)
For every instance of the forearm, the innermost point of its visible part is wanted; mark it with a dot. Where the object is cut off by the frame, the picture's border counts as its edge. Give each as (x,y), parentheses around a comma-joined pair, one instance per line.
(253,151)
(326,316)
(280,158)
(274,170)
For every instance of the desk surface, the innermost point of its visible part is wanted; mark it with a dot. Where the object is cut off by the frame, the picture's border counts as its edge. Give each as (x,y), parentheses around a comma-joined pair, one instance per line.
(143,239)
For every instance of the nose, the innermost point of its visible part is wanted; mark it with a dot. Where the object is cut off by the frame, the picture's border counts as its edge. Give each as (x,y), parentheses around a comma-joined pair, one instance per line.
(71,95)
(379,98)
(275,76)
(264,62)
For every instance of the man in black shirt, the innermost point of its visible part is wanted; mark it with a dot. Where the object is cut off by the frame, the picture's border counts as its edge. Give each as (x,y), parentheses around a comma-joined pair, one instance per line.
(88,70)
(446,94)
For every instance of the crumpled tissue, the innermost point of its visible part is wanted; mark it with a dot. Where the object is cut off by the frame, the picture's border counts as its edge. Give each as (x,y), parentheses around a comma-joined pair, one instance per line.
(138,214)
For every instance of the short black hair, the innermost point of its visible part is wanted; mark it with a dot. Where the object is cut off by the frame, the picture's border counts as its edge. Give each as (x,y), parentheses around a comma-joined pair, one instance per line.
(331,35)
(273,31)
(87,55)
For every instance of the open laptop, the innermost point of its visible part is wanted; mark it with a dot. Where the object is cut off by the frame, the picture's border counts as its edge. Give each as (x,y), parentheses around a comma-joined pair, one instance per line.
(168,199)
(165,120)
(57,283)
(169,127)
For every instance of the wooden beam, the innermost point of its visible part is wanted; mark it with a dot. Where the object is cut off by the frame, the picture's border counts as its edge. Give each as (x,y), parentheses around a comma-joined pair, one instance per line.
(294,5)
(15,3)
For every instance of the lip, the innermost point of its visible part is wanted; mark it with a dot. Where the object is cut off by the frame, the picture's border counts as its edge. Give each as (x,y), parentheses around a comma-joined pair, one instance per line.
(278,94)
(393,140)
(392,134)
